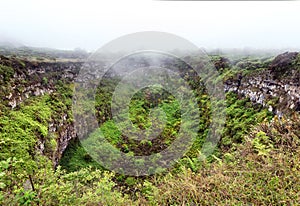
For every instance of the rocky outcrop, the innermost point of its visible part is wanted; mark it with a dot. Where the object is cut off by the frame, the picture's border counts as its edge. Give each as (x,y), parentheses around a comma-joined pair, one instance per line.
(283,63)
(277,87)
(35,79)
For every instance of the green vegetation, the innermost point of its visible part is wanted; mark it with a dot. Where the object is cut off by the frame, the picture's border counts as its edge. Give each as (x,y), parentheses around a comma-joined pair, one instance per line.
(6,73)
(20,130)
(43,54)
(255,163)
(76,158)
(26,174)
(262,171)
(84,187)
(241,117)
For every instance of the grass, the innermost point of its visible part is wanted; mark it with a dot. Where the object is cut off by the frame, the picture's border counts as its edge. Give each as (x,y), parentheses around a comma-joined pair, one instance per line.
(246,176)
(256,162)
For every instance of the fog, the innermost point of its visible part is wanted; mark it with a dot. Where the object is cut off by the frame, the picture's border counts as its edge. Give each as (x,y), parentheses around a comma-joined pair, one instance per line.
(91,24)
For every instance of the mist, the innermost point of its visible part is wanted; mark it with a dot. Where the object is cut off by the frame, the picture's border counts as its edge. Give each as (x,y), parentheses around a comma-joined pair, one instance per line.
(91,24)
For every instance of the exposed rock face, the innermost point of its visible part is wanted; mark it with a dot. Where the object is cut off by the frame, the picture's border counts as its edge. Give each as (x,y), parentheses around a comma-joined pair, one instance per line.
(277,88)
(283,62)
(63,132)
(66,132)
(35,79)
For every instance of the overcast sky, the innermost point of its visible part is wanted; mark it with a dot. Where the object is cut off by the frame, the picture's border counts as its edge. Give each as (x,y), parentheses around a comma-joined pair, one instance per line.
(67,24)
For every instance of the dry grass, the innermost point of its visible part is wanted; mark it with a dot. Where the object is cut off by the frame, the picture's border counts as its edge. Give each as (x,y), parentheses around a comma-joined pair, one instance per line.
(249,177)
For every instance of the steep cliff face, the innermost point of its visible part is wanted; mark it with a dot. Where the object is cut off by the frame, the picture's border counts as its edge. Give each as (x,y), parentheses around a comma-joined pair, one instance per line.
(22,80)
(66,132)
(276,87)
(35,78)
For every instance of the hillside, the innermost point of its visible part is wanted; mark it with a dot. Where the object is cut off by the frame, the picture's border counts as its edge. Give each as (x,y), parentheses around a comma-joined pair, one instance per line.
(44,160)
